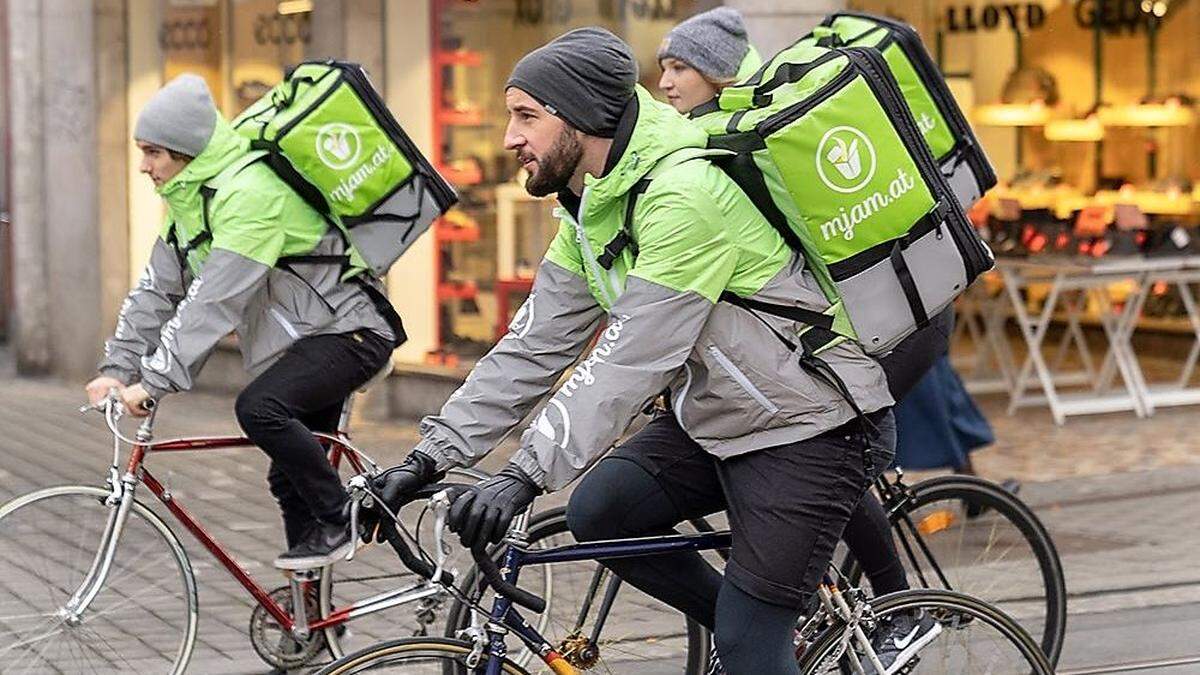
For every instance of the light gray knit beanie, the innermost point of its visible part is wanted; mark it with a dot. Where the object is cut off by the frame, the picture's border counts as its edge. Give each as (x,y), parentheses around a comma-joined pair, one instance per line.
(180,117)
(713,42)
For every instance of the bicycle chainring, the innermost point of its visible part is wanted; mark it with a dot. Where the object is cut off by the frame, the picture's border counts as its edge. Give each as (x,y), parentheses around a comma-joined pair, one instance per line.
(279,648)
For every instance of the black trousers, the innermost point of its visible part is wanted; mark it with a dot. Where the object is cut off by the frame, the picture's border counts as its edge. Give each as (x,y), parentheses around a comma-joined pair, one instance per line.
(787,507)
(303,392)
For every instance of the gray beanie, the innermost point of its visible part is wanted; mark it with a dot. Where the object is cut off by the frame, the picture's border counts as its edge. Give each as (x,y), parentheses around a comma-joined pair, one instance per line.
(713,43)
(586,77)
(180,117)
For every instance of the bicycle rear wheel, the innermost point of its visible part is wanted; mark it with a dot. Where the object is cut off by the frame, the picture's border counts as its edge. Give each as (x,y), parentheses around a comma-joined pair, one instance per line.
(143,619)
(413,656)
(633,638)
(975,638)
(987,543)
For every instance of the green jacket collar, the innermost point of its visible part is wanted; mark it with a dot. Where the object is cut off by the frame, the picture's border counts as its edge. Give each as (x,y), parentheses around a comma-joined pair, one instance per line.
(224,147)
(657,132)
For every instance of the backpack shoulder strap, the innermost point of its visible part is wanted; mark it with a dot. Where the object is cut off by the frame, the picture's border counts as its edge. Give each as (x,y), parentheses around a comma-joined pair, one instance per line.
(624,236)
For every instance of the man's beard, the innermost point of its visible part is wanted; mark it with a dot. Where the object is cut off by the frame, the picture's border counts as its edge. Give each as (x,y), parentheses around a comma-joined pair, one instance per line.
(555,169)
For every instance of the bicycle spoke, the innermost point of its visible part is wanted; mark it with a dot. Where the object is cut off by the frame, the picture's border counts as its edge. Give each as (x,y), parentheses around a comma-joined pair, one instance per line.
(86,630)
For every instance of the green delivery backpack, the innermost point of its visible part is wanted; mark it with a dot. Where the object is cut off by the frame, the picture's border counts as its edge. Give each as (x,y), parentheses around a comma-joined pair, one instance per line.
(327,133)
(942,123)
(823,143)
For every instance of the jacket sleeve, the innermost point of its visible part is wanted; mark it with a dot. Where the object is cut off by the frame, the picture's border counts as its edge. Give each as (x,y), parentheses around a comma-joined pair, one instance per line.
(546,336)
(683,264)
(248,238)
(215,304)
(147,307)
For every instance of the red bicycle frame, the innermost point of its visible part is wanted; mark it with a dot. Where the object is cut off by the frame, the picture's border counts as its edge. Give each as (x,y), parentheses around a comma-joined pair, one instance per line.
(337,447)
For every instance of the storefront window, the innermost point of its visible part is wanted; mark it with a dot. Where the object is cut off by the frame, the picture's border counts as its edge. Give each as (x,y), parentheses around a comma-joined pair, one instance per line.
(489,247)
(1088,110)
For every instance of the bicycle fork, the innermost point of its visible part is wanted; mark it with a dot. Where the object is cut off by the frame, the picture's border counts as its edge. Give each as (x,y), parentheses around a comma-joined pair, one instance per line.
(119,502)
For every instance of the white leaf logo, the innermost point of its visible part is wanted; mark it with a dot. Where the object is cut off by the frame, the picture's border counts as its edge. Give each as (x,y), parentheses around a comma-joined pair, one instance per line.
(848,151)
(844,159)
(338,145)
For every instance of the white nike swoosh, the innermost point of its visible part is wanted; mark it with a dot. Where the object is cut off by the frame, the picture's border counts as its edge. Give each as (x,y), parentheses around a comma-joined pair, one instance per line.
(902,643)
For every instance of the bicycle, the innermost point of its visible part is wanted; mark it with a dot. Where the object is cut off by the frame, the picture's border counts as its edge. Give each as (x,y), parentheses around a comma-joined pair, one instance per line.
(957,533)
(84,590)
(975,637)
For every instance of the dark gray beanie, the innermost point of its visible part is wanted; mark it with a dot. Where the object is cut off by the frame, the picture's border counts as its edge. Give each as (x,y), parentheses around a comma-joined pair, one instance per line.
(713,43)
(180,117)
(586,77)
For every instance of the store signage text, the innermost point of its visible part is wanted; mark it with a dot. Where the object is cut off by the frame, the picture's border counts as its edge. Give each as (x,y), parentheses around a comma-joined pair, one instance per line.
(1113,16)
(181,34)
(282,29)
(1016,16)
(537,12)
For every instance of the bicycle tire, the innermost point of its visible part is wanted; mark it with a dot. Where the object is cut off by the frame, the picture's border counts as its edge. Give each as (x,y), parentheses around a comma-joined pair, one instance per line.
(158,526)
(971,489)
(820,650)
(550,523)
(451,653)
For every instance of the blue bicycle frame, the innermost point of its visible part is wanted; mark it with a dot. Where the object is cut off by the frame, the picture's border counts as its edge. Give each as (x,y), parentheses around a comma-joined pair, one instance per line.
(504,614)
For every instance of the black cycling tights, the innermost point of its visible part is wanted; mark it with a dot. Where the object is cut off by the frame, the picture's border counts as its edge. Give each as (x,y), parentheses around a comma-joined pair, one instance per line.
(752,636)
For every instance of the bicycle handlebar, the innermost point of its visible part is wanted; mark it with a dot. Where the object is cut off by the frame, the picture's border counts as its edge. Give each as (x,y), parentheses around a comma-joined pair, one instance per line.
(487,566)
(491,573)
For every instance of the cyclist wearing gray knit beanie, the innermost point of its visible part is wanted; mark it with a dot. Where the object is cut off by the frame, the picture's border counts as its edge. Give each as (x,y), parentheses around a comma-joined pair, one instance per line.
(702,55)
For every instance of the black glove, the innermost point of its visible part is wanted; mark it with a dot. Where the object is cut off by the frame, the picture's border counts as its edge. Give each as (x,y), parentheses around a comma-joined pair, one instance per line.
(395,486)
(484,514)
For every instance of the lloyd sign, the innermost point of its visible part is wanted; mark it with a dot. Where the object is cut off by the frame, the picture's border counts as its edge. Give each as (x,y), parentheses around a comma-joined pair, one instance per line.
(1017,16)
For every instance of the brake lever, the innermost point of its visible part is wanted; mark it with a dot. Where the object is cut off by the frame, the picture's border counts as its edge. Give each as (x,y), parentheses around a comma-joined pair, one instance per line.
(440,503)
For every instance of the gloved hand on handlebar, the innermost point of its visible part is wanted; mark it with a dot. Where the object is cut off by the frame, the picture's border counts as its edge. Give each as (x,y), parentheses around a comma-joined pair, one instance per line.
(482,515)
(396,487)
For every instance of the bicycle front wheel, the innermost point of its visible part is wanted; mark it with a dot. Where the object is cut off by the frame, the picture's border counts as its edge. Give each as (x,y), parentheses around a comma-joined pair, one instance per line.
(975,638)
(414,656)
(142,620)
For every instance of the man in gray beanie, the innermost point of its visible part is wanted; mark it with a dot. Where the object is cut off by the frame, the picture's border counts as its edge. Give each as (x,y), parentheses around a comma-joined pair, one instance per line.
(309,335)
(652,236)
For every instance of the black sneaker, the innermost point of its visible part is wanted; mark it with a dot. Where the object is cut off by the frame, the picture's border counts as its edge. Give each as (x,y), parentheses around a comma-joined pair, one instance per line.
(325,544)
(898,638)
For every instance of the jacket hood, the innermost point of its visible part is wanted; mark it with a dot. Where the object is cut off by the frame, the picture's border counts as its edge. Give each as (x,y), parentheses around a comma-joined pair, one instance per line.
(182,193)
(649,130)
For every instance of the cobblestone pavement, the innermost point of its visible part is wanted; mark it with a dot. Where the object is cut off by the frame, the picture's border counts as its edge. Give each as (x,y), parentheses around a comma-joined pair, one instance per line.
(1118,495)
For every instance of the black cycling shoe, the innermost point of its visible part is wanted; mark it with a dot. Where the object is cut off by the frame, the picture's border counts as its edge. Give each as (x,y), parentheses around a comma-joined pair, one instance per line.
(898,638)
(325,544)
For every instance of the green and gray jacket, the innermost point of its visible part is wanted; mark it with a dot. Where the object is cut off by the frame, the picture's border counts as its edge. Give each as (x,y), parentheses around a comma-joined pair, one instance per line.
(734,386)
(180,309)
